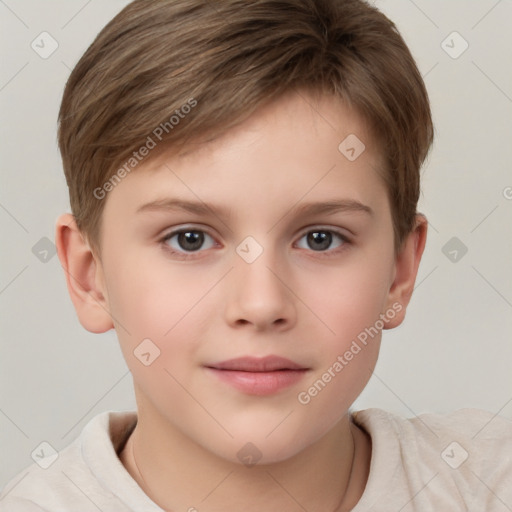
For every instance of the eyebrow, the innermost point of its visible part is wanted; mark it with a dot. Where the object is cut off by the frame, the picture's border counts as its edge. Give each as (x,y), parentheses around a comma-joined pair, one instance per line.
(199,208)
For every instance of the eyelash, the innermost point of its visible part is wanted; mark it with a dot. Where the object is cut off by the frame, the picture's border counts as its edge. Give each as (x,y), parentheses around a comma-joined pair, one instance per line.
(192,255)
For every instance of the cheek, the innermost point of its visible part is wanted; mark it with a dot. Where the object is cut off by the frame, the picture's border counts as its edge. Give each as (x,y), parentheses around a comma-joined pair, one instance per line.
(350,313)
(349,298)
(165,320)
(324,400)
(150,294)
(349,303)
(151,301)
(350,308)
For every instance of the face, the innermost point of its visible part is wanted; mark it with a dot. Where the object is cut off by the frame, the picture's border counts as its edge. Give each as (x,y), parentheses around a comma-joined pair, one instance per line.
(257,268)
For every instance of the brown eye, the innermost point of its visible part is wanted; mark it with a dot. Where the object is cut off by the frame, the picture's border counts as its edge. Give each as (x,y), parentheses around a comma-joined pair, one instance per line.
(319,240)
(322,240)
(188,240)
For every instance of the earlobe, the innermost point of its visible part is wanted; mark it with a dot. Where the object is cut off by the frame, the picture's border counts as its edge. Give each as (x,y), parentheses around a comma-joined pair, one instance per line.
(406,269)
(83,276)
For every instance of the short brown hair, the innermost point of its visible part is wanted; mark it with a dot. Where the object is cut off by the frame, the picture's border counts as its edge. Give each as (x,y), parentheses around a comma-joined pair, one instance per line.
(230,57)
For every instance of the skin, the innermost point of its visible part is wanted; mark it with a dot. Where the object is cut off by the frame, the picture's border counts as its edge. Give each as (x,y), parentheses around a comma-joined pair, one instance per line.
(299,299)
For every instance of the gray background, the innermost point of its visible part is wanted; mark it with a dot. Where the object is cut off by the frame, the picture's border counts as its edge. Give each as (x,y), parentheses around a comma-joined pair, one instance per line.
(453,351)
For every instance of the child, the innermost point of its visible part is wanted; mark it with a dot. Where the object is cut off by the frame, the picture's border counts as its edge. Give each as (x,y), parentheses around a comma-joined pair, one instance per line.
(283,141)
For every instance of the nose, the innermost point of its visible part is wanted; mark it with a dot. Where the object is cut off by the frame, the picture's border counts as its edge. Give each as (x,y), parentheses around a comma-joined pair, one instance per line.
(260,296)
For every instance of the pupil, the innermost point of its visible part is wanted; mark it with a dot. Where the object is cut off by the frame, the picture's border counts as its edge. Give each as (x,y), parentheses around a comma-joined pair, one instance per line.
(321,239)
(191,240)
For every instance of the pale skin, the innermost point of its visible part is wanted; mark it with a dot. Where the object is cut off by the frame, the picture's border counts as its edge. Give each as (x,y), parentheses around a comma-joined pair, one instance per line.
(300,299)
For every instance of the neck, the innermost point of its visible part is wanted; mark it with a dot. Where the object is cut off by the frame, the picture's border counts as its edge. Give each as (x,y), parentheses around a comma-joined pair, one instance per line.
(329,475)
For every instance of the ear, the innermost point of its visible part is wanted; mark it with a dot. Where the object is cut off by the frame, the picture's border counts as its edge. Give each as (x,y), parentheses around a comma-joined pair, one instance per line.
(84,276)
(406,269)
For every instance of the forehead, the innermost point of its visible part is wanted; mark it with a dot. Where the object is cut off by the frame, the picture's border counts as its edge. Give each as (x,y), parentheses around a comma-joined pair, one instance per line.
(291,148)
(315,112)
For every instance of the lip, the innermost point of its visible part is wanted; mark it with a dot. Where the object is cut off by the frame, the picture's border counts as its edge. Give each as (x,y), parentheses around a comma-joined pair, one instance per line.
(257,364)
(258,376)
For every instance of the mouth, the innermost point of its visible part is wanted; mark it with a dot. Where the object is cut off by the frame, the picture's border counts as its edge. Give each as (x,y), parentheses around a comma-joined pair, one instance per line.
(258,376)
(257,364)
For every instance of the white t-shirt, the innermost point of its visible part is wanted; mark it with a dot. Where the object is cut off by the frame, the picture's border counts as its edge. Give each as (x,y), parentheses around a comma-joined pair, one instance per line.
(460,461)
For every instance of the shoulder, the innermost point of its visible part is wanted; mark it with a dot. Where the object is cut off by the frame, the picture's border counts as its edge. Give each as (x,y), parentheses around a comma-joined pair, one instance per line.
(33,489)
(464,455)
(472,426)
(60,480)
(10,504)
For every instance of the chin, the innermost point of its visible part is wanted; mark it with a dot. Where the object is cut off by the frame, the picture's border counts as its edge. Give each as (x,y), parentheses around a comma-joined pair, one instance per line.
(251,446)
